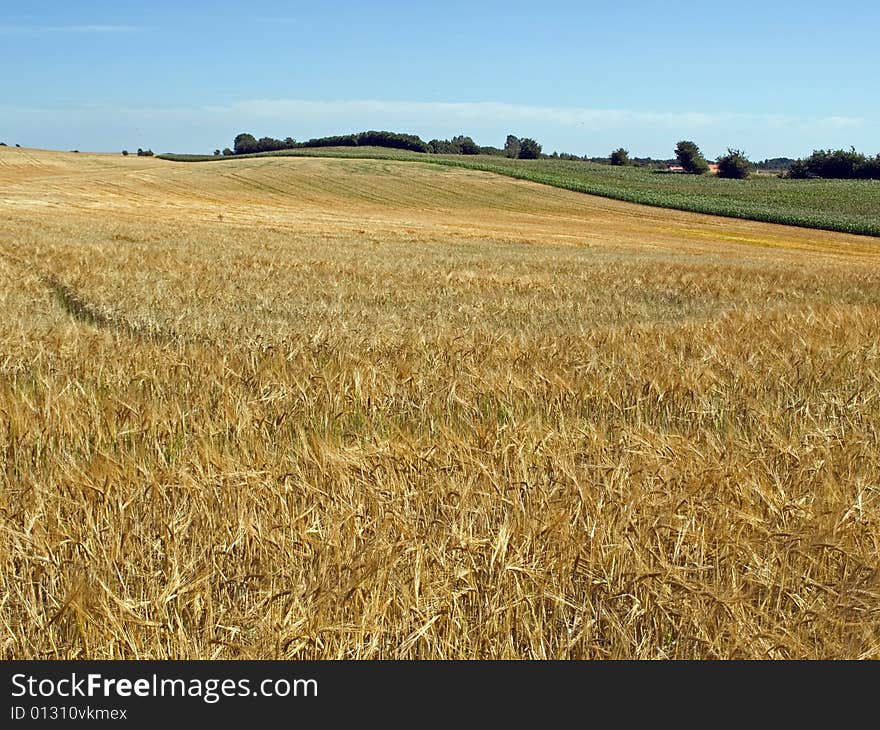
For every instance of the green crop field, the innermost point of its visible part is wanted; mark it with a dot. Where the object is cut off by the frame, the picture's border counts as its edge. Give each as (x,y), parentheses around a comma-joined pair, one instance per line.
(851,206)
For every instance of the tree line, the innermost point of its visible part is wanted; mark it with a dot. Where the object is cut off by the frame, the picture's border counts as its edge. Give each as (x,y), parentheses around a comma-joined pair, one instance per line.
(525,148)
(829,164)
(734,164)
(836,164)
(845,164)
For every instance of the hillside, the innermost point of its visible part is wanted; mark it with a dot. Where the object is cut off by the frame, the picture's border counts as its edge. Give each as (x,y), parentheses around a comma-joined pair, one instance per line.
(310,407)
(851,206)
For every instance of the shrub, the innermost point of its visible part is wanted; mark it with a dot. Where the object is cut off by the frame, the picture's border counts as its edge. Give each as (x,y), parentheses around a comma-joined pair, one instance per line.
(734,165)
(125,153)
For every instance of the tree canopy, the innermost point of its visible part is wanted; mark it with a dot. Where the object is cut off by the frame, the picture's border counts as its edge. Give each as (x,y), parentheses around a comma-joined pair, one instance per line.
(840,164)
(690,158)
(619,157)
(245,144)
(529,149)
(511,146)
(526,148)
(734,165)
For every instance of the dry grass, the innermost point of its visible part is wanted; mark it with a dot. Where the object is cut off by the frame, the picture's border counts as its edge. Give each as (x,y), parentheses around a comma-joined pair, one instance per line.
(334,408)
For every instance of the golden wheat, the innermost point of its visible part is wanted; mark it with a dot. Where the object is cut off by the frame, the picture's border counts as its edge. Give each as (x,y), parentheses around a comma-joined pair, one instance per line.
(310,408)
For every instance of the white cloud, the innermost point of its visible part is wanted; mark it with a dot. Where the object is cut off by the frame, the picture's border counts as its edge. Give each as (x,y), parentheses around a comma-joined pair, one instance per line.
(460,111)
(491,109)
(582,130)
(843,122)
(575,129)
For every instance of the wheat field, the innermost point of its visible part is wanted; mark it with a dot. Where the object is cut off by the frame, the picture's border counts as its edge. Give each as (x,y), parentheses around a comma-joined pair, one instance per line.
(317,408)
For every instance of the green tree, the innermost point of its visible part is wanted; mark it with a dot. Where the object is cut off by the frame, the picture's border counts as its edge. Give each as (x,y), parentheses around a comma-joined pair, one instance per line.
(125,153)
(869,169)
(620,157)
(511,146)
(245,143)
(529,149)
(442,147)
(734,165)
(269,144)
(798,170)
(465,145)
(839,164)
(690,158)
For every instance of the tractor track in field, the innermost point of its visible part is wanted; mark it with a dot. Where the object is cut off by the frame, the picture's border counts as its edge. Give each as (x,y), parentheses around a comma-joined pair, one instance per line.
(84,311)
(88,313)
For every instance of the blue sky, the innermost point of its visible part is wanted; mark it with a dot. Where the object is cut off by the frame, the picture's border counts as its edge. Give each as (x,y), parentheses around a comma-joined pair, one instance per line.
(775,78)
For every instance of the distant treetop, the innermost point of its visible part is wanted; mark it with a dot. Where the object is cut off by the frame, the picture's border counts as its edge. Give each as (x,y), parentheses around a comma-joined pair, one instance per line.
(619,157)
(529,149)
(836,164)
(690,158)
(734,165)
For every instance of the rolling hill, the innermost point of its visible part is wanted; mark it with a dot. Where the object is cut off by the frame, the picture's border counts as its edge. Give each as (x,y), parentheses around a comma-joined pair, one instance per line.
(348,408)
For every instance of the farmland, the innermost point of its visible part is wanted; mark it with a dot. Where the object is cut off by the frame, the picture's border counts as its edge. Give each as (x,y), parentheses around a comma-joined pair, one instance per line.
(851,206)
(355,408)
